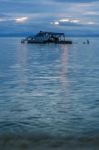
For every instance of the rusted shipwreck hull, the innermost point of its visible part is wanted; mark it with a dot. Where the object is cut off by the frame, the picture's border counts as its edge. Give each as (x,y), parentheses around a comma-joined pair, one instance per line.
(47,37)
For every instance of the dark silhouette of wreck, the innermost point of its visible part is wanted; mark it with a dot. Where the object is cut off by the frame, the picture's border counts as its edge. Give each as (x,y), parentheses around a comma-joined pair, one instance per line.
(47,37)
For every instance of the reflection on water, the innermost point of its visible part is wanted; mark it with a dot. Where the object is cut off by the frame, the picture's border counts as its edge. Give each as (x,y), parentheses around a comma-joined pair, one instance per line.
(21,64)
(49,95)
(64,65)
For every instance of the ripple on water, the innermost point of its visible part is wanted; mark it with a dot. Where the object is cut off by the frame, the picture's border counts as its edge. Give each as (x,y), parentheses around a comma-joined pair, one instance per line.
(49,96)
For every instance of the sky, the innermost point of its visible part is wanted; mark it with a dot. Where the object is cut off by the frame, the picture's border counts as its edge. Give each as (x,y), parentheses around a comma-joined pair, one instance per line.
(31,16)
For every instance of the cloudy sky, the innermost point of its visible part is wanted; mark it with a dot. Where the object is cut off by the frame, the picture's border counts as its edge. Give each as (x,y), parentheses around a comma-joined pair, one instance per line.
(72,16)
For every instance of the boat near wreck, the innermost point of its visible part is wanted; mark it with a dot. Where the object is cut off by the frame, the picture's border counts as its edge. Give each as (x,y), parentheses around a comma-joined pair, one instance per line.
(47,37)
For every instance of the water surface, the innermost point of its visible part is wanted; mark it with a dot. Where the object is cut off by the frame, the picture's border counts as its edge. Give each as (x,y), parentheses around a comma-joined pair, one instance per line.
(49,95)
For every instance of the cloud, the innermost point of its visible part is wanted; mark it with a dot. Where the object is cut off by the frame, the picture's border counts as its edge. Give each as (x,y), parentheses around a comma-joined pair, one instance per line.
(92,13)
(23,15)
(5,18)
(72,22)
(75,1)
(21,19)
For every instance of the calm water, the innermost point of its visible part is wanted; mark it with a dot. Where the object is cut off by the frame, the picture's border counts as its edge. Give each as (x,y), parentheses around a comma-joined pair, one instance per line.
(49,95)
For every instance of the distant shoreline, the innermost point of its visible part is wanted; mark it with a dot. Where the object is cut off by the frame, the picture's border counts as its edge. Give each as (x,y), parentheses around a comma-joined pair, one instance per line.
(14,35)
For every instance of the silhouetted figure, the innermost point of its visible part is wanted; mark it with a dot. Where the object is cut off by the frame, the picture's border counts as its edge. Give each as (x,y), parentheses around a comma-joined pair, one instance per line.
(87,41)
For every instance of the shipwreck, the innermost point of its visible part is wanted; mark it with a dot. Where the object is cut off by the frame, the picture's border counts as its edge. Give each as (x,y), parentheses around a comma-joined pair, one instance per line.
(47,37)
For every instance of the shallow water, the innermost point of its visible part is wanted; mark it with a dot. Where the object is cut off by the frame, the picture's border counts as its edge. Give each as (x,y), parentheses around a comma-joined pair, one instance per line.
(49,95)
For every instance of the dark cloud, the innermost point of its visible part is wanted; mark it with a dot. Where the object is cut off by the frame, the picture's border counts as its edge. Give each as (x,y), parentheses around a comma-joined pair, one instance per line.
(41,13)
(24,6)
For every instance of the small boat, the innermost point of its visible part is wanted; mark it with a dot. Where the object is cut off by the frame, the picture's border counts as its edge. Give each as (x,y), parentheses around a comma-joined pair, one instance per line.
(47,37)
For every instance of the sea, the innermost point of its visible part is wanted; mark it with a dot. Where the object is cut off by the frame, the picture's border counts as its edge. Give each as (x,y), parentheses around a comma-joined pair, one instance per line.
(49,95)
